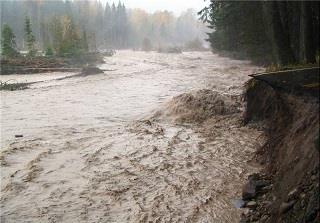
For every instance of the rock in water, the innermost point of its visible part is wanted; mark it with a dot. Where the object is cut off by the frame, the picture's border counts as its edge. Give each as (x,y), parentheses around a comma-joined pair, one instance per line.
(248,191)
(251,204)
(91,70)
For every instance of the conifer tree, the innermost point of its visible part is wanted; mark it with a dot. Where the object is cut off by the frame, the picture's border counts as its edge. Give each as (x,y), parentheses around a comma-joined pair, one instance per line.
(85,45)
(8,43)
(49,51)
(29,37)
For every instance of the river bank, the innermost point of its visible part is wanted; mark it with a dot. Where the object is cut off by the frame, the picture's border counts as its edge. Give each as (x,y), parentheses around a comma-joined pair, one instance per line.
(287,105)
(31,65)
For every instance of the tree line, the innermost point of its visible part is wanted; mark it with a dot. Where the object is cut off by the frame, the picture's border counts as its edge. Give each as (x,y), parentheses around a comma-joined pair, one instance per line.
(66,40)
(281,32)
(63,26)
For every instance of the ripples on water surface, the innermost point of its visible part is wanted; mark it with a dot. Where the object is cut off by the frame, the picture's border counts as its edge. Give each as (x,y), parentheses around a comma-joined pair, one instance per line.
(89,154)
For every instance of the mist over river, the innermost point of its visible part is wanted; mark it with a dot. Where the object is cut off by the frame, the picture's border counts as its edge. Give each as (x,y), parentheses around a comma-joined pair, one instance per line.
(93,151)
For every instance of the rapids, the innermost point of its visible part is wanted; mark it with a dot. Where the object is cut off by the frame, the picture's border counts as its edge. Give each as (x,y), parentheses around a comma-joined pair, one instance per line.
(102,148)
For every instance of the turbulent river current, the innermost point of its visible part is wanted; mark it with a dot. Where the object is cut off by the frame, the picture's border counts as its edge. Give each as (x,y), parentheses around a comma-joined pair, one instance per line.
(123,146)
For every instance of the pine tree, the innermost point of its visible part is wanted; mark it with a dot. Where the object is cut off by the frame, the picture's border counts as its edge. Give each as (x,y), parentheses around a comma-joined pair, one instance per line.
(113,31)
(49,51)
(56,31)
(108,25)
(29,38)
(84,40)
(281,32)
(71,42)
(8,43)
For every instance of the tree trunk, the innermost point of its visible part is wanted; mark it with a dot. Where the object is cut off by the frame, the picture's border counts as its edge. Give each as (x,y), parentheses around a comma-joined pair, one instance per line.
(309,48)
(294,14)
(302,54)
(280,36)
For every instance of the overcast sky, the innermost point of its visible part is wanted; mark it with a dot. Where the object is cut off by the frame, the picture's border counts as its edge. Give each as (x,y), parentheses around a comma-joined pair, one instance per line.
(176,6)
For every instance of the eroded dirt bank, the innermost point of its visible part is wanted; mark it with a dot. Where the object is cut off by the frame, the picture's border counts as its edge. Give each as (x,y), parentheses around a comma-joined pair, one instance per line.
(143,142)
(290,156)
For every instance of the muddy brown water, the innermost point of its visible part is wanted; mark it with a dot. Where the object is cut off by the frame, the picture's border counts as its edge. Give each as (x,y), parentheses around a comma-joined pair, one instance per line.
(90,154)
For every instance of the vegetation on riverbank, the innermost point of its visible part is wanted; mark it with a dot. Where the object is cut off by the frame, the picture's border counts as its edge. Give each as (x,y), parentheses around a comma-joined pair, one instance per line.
(106,26)
(67,51)
(70,51)
(268,32)
(66,40)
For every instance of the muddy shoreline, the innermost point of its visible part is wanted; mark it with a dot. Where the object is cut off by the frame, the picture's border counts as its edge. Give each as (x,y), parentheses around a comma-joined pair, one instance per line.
(289,181)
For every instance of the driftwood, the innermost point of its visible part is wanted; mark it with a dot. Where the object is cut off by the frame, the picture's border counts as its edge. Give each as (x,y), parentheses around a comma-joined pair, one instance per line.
(52,69)
(91,70)
(28,70)
(5,86)
(25,65)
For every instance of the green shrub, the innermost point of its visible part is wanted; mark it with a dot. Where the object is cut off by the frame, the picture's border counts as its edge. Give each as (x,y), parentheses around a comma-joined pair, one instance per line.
(49,52)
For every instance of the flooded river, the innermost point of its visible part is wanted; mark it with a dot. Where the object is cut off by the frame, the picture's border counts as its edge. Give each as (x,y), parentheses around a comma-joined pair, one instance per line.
(103,148)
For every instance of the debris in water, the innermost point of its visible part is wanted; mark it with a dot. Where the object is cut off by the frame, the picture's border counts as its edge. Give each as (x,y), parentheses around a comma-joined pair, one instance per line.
(91,70)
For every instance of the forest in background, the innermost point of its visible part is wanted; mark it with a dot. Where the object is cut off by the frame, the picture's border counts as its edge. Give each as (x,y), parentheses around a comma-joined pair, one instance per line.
(101,26)
(279,32)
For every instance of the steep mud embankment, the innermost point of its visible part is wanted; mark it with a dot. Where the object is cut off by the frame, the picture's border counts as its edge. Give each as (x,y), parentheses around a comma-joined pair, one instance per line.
(290,156)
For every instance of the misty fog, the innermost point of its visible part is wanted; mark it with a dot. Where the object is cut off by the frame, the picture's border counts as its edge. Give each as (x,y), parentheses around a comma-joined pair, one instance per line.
(106,26)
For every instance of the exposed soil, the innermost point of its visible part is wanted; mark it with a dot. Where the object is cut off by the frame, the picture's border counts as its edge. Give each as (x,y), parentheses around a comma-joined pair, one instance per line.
(290,155)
